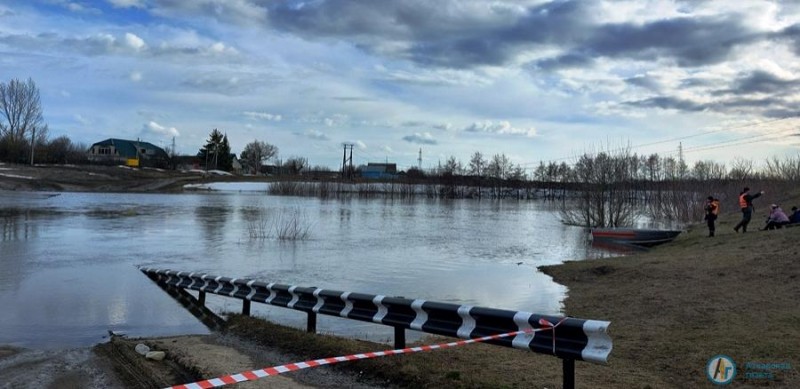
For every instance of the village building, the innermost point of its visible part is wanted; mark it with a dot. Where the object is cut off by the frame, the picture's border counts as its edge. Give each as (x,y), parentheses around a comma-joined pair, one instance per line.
(132,153)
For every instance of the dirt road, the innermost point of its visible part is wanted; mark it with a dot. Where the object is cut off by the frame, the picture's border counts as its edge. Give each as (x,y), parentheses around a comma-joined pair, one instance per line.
(68,178)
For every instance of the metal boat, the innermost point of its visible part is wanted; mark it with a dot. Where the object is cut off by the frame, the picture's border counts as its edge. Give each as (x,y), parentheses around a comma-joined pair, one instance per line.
(633,236)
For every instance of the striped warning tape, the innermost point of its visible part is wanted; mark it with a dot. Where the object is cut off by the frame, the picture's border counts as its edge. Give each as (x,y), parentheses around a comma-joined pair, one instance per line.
(253,375)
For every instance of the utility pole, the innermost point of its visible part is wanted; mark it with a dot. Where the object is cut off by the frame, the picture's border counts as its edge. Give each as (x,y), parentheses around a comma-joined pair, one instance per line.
(419,160)
(33,143)
(347,172)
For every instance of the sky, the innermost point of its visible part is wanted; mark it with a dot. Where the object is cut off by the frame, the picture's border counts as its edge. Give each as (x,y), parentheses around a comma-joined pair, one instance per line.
(535,80)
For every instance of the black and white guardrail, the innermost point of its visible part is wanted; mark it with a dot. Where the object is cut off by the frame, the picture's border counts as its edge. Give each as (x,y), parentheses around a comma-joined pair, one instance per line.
(575,339)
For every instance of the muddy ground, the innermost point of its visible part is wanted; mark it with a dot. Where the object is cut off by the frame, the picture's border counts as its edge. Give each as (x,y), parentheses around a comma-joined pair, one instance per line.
(90,178)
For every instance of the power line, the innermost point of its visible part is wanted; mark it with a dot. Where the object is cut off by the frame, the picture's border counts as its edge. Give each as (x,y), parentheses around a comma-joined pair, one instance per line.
(667,140)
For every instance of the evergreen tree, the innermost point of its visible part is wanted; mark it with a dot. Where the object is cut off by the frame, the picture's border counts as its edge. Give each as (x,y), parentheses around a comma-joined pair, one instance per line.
(225,160)
(216,154)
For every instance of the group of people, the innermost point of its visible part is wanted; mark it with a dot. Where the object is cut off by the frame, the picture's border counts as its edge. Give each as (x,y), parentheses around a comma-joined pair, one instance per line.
(777,217)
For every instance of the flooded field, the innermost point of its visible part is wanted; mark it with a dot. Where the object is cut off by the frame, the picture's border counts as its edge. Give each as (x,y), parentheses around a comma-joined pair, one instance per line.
(68,264)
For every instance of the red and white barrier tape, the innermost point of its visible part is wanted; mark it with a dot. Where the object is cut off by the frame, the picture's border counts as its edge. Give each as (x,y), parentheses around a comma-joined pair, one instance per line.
(253,375)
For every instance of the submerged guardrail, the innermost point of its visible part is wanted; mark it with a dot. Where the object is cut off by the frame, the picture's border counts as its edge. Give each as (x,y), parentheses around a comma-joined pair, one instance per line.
(568,338)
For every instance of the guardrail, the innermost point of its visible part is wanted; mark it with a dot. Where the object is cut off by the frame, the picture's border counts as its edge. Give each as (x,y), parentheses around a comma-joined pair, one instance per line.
(568,338)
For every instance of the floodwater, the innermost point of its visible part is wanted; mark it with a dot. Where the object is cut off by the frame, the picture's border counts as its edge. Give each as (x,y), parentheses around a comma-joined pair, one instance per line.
(68,264)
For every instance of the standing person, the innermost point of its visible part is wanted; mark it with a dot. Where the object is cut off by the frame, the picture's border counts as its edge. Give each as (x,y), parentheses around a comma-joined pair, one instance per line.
(777,218)
(712,210)
(746,203)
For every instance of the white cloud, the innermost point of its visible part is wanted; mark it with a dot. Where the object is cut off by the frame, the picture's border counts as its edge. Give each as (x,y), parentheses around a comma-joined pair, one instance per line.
(443,126)
(134,42)
(219,48)
(335,120)
(424,138)
(154,128)
(361,145)
(263,116)
(502,128)
(387,149)
(136,76)
(315,134)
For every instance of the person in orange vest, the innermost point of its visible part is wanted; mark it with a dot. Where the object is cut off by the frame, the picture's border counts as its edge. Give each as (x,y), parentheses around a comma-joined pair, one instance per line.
(712,211)
(746,203)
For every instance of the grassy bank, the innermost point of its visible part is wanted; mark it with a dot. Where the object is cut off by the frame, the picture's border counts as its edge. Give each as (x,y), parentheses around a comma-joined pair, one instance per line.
(677,306)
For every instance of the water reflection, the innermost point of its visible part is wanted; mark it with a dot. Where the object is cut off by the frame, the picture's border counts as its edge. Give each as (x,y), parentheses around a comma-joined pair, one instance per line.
(16,224)
(213,216)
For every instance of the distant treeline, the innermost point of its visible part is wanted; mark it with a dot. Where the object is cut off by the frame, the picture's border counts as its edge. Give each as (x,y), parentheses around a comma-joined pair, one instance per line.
(601,189)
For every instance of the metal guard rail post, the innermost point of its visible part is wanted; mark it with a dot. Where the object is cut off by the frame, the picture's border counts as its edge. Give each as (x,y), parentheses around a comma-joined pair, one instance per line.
(573,339)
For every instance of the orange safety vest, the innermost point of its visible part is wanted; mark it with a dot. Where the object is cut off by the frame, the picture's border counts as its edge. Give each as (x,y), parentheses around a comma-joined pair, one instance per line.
(715,210)
(742,201)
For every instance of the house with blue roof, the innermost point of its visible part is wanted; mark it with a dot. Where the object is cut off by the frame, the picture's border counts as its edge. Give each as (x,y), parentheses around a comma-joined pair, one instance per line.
(114,151)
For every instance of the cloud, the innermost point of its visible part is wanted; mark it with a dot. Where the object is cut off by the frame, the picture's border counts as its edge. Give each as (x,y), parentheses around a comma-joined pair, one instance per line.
(424,138)
(135,76)
(361,145)
(566,61)
(263,116)
(760,81)
(502,128)
(154,128)
(100,44)
(230,84)
(387,149)
(665,102)
(82,120)
(316,135)
(127,3)
(443,126)
(335,120)
(645,82)
(134,42)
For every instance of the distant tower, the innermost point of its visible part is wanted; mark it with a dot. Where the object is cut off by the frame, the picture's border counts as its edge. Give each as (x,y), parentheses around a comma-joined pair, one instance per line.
(419,159)
(347,172)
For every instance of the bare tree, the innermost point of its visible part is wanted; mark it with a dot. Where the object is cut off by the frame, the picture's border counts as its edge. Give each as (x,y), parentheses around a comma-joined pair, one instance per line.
(477,165)
(499,167)
(741,169)
(296,164)
(20,118)
(257,152)
(452,166)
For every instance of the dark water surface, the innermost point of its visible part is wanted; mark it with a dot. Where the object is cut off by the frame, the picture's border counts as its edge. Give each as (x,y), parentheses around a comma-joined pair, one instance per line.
(68,263)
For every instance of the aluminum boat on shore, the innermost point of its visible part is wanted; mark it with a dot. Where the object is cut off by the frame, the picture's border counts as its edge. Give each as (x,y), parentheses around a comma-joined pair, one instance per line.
(633,236)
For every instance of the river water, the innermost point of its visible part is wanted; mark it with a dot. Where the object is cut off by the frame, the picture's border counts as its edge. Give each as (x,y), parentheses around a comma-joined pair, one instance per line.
(68,264)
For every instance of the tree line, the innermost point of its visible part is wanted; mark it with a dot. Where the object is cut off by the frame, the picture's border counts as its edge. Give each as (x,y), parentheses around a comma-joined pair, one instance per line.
(24,135)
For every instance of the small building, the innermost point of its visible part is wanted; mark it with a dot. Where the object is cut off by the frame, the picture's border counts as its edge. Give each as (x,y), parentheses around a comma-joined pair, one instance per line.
(236,165)
(379,170)
(188,162)
(128,152)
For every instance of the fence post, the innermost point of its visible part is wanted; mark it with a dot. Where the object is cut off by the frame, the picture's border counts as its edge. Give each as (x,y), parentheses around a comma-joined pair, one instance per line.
(202,298)
(311,325)
(568,369)
(399,337)
(246,307)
